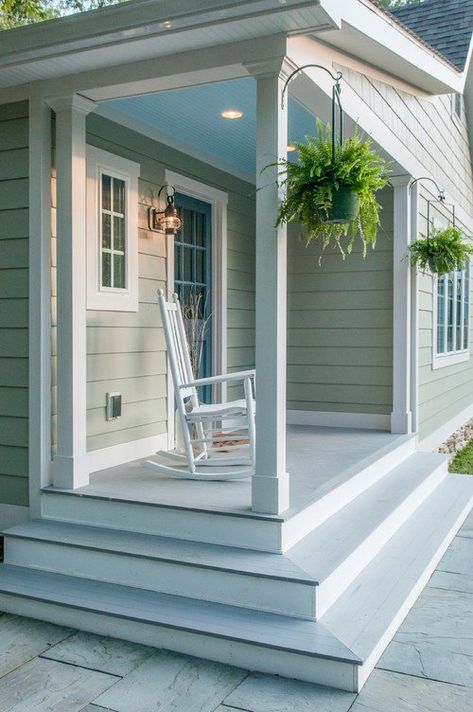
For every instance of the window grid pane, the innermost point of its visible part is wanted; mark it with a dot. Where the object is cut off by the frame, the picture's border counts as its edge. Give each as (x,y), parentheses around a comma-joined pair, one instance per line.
(452,312)
(113,233)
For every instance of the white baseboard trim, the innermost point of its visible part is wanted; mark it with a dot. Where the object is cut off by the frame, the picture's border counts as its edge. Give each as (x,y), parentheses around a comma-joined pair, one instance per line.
(435,439)
(366,421)
(126,452)
(12,514)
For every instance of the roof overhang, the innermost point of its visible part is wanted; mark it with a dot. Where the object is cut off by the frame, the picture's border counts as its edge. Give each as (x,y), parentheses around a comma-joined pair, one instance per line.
(148,29)
(375,37)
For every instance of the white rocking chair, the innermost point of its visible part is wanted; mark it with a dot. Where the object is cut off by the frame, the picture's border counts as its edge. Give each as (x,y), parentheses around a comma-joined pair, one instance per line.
(218,438)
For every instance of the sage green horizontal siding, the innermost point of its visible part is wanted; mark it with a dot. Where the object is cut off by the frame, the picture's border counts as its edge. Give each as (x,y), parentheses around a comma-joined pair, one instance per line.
(14,303)
(126,351)
(340,325)
(427,128)
(443,392)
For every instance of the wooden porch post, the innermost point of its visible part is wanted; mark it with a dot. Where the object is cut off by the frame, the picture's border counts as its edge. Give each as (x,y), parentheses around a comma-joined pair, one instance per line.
(270,492)
(401,416)
(70,462)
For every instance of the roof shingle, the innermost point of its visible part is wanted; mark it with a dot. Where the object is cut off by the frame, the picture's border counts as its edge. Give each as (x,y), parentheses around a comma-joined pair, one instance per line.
(447,26)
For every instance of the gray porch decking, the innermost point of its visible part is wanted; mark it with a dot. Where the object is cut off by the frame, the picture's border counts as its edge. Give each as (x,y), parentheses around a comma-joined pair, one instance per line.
(317,458)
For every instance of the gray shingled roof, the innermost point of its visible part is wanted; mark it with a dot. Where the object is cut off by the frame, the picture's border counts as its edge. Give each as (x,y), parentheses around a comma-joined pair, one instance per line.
(446,25)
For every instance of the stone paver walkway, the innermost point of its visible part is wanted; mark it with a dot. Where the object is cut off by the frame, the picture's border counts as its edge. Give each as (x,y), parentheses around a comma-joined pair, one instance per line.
(427,668)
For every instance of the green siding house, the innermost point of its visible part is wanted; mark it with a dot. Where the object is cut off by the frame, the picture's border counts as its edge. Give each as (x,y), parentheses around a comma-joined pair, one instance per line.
(364,365)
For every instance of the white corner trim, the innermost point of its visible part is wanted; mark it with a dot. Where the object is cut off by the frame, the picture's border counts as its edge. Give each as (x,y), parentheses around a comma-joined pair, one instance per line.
(218,200)
(363,421)
(435,439)
(12,514)
(126,452)
(128,171)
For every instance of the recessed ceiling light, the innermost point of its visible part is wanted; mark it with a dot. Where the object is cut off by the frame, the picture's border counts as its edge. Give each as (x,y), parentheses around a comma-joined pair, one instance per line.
(291,148)
(166,24)
(232,114)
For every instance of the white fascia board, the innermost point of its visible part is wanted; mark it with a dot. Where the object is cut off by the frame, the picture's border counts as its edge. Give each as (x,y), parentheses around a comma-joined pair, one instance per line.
(371,35)
(141,19)
(317,86)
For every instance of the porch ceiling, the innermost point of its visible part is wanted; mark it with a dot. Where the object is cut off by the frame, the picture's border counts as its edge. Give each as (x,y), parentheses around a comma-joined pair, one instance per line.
(190,118)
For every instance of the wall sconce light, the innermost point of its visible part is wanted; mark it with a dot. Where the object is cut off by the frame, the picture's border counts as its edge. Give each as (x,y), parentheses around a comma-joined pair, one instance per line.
(167,220)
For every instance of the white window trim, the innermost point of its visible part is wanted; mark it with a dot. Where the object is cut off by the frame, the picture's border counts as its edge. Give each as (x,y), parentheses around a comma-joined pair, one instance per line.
(218,200)
(109,299)
(442,360)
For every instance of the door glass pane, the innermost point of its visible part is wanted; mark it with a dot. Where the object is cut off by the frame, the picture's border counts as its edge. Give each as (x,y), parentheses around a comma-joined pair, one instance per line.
(440,314)
(200,266)
(106,192)
(199,229)
(187,264)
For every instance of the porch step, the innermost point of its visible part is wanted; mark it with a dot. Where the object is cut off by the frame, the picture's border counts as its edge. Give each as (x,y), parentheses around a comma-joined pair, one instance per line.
(340,548)
(303,583)
(340,650)
(220,574)
(249,639)
(369,612)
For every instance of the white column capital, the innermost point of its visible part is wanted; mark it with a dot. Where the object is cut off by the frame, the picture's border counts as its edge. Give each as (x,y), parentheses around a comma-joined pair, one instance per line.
(278,66)
(71,102)
(400,181)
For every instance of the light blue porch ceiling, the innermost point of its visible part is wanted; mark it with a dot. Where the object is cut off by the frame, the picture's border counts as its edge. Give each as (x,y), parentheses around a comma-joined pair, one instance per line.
(192,116)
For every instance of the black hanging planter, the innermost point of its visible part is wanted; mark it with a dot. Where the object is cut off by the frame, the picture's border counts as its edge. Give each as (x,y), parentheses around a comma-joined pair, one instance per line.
(345,206)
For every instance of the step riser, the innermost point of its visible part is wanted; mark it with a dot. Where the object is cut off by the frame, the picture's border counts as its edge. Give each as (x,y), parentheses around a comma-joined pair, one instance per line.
(310,518)
(247,591)
(209,528)
(322,671)
(330,590)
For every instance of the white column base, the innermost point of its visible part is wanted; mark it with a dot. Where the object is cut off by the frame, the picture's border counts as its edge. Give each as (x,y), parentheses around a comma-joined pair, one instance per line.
(71,472)
(401,423)
(270,495)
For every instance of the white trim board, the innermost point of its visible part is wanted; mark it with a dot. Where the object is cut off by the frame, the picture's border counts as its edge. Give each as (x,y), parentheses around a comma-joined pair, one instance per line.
(218,201)
(11,515)
(435,439)
(364,421)
(126,452)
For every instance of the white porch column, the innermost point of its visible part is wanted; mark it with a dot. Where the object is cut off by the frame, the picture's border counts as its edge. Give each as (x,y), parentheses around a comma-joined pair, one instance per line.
(401,417)
(270,483)
(70,463)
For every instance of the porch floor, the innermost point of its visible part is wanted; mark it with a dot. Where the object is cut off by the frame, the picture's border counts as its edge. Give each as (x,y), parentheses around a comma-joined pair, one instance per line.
(317,459)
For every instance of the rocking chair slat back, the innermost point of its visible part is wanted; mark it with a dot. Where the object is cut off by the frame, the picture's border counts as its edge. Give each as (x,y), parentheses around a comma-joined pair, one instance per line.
(175,333)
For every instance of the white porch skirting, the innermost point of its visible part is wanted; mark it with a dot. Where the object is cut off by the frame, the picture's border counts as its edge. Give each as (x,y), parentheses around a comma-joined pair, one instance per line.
(367,421)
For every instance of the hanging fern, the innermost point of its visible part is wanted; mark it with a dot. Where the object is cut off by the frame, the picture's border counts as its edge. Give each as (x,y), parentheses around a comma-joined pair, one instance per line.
(442,251)
(311,182)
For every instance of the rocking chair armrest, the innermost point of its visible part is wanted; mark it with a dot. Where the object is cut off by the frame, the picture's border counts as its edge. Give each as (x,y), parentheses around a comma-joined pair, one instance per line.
(238,376)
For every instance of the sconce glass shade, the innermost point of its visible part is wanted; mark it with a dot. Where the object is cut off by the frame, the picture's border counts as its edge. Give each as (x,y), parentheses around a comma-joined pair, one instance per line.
(167,220)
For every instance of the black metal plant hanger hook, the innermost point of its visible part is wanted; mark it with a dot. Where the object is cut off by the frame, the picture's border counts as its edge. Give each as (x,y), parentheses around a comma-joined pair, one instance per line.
(336,91)
(440,199)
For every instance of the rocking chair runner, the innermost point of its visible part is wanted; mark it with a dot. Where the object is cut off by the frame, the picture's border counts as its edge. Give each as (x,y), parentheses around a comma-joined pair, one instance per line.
(218,438)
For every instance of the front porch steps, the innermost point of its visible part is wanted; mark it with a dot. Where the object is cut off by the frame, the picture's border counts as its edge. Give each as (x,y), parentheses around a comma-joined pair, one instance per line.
(339,650)
(303,583)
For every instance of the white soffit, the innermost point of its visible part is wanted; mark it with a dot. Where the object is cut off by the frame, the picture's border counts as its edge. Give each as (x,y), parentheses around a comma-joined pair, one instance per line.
(147,29)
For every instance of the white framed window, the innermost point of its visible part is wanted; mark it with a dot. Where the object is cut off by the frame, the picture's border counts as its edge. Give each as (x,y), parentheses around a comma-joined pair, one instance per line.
(112,231)
(451,318)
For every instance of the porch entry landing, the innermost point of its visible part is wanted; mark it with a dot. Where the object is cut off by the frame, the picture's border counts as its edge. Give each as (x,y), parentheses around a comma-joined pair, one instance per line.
(318,460)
